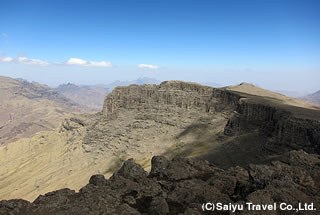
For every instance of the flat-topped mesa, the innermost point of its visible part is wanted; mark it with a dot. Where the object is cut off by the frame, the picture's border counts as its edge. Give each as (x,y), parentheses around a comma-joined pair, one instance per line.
(178,94)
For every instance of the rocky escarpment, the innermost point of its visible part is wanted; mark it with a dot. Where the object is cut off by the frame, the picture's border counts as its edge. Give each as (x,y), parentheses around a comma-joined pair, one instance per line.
(170,94)
(283,128)
(156,119)
(181,186)
(280,127)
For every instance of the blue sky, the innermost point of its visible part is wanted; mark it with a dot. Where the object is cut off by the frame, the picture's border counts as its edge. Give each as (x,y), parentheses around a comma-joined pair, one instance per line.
(274,44)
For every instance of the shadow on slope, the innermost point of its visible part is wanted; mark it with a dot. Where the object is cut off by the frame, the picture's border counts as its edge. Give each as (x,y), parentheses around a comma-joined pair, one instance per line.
(221,150)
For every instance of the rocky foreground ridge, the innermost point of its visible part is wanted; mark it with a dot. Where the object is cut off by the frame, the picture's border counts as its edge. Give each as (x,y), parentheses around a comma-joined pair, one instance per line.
(182,185)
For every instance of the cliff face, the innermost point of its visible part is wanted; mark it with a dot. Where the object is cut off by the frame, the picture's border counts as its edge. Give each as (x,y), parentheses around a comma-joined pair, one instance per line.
(249,116)
(175,94)
(299,134)
(280,125)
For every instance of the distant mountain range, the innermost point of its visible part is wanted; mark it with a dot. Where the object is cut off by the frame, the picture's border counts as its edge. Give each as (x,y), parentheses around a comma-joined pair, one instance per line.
(314,98)
(139,81)
(29,107)
(92,96)
(89,96)
(211,84)
(294,94)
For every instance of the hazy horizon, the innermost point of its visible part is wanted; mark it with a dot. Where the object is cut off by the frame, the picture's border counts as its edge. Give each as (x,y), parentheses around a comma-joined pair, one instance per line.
(272,44)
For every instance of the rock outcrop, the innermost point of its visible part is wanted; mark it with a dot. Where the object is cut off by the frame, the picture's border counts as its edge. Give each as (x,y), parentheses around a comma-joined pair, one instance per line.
(174,94)
(181,186)
(279,124)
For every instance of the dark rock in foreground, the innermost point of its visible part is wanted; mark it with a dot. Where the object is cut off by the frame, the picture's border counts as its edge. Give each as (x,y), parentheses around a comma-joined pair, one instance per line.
(182,185)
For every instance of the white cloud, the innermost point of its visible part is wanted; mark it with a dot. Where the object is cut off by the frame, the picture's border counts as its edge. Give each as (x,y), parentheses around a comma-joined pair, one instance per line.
(6,59)
(148,66)
(25,60)
(100,63)
(80,62)
(77,61)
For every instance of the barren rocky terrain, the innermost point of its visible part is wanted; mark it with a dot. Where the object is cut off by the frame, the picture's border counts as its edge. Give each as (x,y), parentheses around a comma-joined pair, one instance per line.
(236,126)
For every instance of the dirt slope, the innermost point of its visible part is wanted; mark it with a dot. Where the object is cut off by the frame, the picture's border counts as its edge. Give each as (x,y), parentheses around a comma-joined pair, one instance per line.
(253,90)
